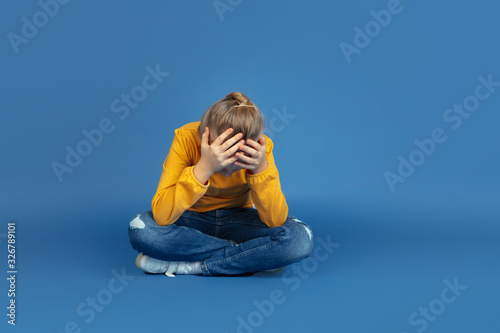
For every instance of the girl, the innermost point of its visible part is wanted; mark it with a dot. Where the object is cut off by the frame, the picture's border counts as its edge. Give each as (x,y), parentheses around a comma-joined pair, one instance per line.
(219,208)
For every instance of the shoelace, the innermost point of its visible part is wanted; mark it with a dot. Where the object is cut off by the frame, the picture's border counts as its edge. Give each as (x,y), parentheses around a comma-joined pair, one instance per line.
(176,267)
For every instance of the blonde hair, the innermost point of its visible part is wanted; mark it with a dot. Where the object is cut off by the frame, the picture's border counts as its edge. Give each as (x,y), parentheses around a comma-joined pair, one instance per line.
(233,111)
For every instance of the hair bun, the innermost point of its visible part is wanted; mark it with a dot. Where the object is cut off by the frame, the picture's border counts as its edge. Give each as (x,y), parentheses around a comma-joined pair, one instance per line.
(237,96)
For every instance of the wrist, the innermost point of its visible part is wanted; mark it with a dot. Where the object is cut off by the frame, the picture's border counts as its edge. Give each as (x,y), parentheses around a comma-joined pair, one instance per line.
(201,173)
(260,169)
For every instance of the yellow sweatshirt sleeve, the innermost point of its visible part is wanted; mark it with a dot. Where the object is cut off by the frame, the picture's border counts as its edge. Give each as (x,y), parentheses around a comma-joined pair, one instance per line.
(265,189)
(178,189)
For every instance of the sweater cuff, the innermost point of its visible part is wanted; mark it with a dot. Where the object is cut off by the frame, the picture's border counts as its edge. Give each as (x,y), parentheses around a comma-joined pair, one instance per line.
(255,177)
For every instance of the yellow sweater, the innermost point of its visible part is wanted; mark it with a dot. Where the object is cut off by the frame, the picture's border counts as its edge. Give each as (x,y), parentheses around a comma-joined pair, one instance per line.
(178,189)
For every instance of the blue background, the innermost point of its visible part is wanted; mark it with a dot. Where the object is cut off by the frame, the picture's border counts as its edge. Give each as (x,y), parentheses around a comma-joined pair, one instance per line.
(348,123)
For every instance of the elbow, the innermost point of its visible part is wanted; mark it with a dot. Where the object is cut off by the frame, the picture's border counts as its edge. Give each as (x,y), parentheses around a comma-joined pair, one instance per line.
(274,224)
(277,221)
(158,216)
(160,219)
(281,218)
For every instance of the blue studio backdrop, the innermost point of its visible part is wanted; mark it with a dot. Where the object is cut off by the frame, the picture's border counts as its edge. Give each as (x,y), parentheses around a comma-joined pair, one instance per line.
(384,116)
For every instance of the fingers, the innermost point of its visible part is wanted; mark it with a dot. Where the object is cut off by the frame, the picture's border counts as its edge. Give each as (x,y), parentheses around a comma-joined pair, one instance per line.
(252,155)
(243,158)
(233,149)
(262,141)
(248,150)
(257,145)
(254,147)
(204,136)
(224,146)
(229,160)
(247,154)
(220,139)
(244,165)
(232,141)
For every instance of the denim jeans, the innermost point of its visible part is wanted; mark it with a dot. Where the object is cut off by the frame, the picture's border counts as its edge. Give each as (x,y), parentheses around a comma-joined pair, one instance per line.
(225,241)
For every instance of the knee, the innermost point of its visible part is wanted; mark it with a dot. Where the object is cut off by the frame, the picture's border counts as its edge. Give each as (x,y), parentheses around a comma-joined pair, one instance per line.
(138,228)
(142,220)
(137,223)
(300,239)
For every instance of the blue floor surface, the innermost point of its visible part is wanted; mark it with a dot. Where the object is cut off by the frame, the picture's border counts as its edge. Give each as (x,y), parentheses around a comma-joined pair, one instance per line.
(358,279)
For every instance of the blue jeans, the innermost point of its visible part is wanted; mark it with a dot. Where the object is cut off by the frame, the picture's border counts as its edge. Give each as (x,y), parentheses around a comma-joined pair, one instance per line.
(225,241)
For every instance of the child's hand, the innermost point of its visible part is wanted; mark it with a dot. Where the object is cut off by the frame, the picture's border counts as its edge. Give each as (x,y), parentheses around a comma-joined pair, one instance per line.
(218,155)
(254,156)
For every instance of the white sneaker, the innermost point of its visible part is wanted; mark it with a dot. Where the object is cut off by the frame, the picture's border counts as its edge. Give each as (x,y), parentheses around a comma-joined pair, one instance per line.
(156,266)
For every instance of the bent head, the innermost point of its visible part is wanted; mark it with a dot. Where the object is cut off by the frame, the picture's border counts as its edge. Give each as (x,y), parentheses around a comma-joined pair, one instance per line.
(237,112)
(231,168)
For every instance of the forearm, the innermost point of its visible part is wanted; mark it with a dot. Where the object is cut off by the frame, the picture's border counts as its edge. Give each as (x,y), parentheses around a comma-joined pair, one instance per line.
(169,203)
(265,189)
(272,208)
(202,173)
(165,210)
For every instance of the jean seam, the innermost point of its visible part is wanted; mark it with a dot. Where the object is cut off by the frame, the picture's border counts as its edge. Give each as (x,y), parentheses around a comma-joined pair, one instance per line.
(204,268)
(247,252)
